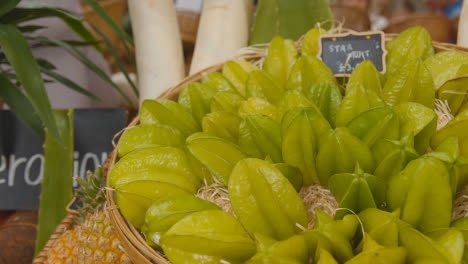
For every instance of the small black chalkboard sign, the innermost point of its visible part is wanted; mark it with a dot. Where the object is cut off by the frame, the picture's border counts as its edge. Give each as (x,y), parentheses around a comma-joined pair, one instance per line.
(342,53)
(22,153)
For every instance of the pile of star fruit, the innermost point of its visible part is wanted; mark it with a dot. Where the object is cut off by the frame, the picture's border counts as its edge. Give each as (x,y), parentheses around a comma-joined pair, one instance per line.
(266,133)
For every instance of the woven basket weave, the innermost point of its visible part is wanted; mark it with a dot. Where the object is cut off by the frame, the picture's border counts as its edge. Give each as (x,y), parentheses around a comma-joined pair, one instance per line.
(131,239)
(67,223)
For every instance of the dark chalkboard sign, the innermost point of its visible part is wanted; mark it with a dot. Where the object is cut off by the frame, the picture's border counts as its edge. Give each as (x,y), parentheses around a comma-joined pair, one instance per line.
(22,153)
(342,53)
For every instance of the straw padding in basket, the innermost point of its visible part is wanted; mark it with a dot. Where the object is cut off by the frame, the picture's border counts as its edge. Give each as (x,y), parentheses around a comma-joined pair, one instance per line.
(132,240)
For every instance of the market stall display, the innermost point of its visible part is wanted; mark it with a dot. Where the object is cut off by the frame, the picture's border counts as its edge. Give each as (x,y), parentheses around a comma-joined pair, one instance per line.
(295,124)
(278,154)
(355,146)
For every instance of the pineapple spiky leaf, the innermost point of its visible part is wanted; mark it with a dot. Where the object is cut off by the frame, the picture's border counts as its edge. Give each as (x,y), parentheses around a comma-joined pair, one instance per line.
(91,193)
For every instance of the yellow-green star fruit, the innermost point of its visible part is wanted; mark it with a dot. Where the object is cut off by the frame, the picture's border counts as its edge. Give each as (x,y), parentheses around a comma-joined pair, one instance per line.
(170,113)
(412,43)
(281,55)
(372,252)
(332,235)
(166,211)
(445,65)
(462,226)
(381,226)
(412,82)
(419,121)
(356,101)
(226,101)
(327,97)
(237,72)
(393,155)
(222,124)
(197,98)
(456,127)
(142,136)
(255,105)
(444,247)
(260,84)
(210,236)
(375,124)
(310,42)
(218,82)
(293,99)
(366,74)
(307,71)
(423,194)
(356,191)
(291,250)
(217,154)
(260,136)
(339,151)
(264,201)
(449,153)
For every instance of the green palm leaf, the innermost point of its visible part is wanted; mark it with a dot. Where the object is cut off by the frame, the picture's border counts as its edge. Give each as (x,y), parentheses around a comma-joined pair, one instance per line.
(109,21)
(81,57)
(69,83)
(20,105)
(7,5)
(117,59)
(19,15)
(19,55)
(57,183)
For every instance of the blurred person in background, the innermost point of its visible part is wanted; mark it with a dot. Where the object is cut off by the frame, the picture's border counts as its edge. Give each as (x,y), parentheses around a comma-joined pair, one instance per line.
(450,8)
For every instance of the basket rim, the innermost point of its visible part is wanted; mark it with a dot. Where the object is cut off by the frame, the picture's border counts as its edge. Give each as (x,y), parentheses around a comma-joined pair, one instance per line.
(132,241)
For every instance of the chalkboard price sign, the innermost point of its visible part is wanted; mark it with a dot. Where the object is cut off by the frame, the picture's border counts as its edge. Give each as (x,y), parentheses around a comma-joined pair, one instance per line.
(22,153)
(342,53)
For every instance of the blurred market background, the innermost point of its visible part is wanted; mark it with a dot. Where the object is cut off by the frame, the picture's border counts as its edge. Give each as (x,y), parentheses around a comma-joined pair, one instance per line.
(439,17)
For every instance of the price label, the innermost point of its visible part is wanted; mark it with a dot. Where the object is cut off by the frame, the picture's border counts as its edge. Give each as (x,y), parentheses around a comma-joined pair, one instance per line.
(342,53)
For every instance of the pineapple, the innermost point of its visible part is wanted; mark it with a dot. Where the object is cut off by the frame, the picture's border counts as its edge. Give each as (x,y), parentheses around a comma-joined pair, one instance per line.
(93,239)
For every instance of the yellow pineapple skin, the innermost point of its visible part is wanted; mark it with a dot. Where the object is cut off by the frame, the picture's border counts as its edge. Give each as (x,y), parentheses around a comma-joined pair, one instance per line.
(65,249)
(92,242)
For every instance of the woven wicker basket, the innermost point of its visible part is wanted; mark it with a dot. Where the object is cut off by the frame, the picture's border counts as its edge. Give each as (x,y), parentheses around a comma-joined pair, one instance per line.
(67,223)
(131,240)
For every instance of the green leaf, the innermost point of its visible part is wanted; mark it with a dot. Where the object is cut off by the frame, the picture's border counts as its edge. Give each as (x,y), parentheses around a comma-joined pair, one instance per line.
(57,184)
(73,21)
(20,105)
(30,28)
(45,64)
(20,57)
(117,59)
(38,41)
(288,18)
(69,83)
(109,21)
(7,5)
(86,61)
